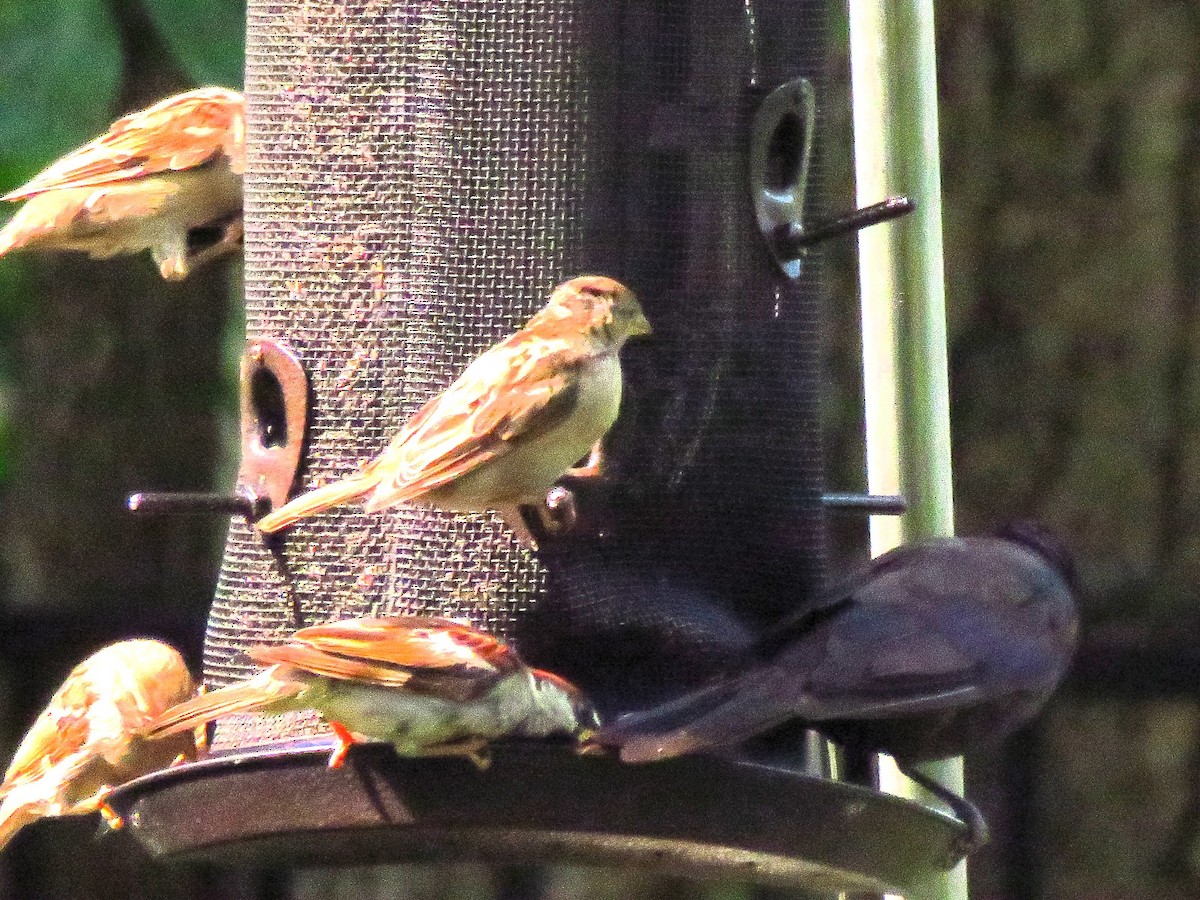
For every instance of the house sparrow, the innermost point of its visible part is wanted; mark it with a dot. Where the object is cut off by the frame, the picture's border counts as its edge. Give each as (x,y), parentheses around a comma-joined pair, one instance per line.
(516,420)
(429,686)
(89,739)
(153,177)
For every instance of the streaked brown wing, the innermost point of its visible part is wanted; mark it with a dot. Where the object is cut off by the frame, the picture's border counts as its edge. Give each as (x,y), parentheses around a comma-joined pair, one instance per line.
(119,202)
(177,133)
(59,732)
(330,665)
(517,389)
(412,641)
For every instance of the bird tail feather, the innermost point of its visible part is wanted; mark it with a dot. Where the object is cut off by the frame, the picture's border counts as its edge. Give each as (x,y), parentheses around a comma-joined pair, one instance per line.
(246,696)
(671,730)
(316,501)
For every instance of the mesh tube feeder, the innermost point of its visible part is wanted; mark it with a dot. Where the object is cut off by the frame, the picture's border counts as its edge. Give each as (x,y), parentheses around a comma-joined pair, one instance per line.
(421,175)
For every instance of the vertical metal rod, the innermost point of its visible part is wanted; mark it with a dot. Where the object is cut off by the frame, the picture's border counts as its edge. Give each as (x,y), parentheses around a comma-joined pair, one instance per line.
(893,79)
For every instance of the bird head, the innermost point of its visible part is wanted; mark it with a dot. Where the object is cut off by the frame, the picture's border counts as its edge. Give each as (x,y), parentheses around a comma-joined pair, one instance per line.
(152,672)
(599,304)
(563,706)
(1058,604)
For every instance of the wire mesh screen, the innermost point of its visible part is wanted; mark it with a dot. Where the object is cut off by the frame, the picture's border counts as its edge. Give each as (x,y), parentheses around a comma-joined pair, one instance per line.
(420,176)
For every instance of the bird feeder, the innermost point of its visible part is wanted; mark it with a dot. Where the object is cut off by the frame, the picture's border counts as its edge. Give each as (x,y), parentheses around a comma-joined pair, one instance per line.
(420,176)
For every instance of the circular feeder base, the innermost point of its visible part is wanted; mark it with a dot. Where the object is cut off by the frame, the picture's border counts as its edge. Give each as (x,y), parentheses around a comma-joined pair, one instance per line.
(697,817)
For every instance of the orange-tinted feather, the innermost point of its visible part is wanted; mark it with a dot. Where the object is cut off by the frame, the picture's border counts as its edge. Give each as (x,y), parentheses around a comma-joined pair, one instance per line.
(60,731)
(330,665)
(411,641)
(521,390)
(315,501)
(177,133)
(47,216)
(245,696)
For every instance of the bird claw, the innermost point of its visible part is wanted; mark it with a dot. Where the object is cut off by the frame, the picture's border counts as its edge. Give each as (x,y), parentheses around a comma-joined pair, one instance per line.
(588,746)
(173,268)
(480,757)
(536,523)
(474,749)
(112,819)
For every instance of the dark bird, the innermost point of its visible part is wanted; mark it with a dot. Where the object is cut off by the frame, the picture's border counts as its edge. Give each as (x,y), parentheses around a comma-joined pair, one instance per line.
(933,649)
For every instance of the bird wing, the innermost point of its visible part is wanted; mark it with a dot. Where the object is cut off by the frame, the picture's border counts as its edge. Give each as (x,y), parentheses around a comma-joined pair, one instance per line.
(926,630)
(413,641)
(520,388)
(733,711)
(329,665)
(60,734)
(114,203)
(177,133)
(84,209)
(431,656)
(850,657)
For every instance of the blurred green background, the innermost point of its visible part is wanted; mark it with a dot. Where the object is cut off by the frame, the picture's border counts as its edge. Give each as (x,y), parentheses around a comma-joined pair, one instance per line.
(1072,210)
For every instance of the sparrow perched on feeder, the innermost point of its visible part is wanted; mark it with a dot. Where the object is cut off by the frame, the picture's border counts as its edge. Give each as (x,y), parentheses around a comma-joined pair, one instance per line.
(516,420)
(935,648)
(429,686)
(90,738)
(152,178)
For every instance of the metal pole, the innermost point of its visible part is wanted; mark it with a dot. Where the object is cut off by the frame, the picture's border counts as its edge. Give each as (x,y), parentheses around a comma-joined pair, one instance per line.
(893,78)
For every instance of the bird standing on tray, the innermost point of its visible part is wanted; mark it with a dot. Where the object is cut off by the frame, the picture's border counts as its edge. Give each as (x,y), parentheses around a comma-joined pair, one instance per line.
(429,686)
(935,648)
(153,177)
(516,420)
(90,737)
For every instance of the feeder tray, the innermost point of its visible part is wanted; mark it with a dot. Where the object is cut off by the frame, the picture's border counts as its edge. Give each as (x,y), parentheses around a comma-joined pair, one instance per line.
(537,802)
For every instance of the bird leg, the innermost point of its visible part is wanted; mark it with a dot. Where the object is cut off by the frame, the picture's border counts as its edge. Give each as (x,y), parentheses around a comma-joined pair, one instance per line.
(111,818)
(200,732)
(475,749)
(345,739)
(964,810)
(172,257)
(536,523)
(592,468)
(230,239)
(200,736)
(525,522)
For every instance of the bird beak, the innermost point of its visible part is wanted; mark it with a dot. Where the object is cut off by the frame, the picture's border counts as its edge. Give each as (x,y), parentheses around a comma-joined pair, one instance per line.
(640,325)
